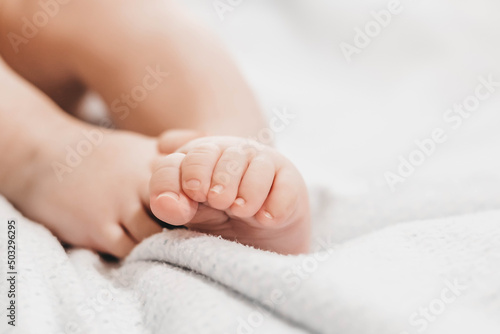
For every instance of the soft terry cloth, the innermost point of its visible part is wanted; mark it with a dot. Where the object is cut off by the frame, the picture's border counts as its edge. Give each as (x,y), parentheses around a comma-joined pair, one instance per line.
(422,259)
(437,276)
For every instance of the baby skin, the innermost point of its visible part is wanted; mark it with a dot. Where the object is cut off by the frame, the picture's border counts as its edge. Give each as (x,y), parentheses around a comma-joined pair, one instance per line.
(236,188)
(207,177)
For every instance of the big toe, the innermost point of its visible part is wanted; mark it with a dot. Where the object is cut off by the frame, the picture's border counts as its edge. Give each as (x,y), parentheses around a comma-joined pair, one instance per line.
(172,208)
(168,202)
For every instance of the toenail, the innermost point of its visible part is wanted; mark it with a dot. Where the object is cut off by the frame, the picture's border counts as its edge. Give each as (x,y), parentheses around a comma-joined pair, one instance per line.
(169,194)
(217,189)
(193,184)
(267,215)
(240,201)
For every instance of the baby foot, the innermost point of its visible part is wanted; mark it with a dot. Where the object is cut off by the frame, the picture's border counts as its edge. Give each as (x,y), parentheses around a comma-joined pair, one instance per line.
(234,188)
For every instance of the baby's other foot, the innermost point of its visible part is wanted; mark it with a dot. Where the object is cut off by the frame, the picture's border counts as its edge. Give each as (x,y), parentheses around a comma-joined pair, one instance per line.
(235,188)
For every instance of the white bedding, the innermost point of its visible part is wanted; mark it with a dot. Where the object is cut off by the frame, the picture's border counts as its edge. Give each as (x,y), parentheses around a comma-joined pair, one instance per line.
(386,256)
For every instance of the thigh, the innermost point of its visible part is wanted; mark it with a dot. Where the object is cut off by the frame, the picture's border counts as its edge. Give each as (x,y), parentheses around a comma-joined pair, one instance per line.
(32,45)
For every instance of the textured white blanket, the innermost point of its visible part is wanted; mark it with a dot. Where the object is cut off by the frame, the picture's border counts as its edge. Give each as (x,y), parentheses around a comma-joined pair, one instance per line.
(435,276)
(417,256)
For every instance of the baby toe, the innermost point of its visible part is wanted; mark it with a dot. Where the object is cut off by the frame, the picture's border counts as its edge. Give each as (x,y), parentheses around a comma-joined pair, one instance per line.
(226,178)
(169,141)
(197,169)
(167,200)
(282,200)
(254,187)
